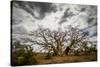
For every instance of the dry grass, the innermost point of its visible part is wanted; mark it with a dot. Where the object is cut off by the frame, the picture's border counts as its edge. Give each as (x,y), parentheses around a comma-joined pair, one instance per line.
(65,59)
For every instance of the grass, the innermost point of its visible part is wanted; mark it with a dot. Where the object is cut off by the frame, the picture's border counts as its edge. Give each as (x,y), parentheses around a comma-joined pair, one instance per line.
(41,58)
(65,59)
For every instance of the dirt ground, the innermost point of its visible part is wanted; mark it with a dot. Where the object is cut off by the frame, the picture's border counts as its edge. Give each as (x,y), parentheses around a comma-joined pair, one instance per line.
(66,59)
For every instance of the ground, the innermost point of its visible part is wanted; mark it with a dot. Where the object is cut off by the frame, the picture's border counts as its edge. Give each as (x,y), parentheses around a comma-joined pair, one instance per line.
(65,59)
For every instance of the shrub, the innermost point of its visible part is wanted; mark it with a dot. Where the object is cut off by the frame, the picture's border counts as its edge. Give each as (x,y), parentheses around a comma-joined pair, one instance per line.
(22,56)
(48,56)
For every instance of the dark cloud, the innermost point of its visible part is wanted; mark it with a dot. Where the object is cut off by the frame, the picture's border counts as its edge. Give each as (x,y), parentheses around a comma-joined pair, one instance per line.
(83,9)
(16,21)
(62,21)
(90,29)
(30,7)
(93,10)
(94,34)
(86,33)
(67,14)
(90,20)
(19,30)
(87,28)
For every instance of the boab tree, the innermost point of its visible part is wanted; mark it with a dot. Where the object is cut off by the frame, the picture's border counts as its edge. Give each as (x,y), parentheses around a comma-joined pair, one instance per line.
(50,39)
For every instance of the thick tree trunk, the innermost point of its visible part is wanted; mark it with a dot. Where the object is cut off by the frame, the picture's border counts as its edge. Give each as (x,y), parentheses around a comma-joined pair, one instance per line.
(69,47)
(67,50)
(55,51)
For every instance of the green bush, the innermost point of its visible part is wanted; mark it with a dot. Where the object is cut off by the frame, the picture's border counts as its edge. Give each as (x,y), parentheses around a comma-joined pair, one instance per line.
(22,56)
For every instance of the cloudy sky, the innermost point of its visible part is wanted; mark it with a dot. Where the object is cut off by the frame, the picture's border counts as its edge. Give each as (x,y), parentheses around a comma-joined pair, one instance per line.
(27,16)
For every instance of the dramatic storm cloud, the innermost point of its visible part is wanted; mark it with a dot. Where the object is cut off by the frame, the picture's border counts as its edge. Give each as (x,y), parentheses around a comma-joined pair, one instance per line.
(27,16)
